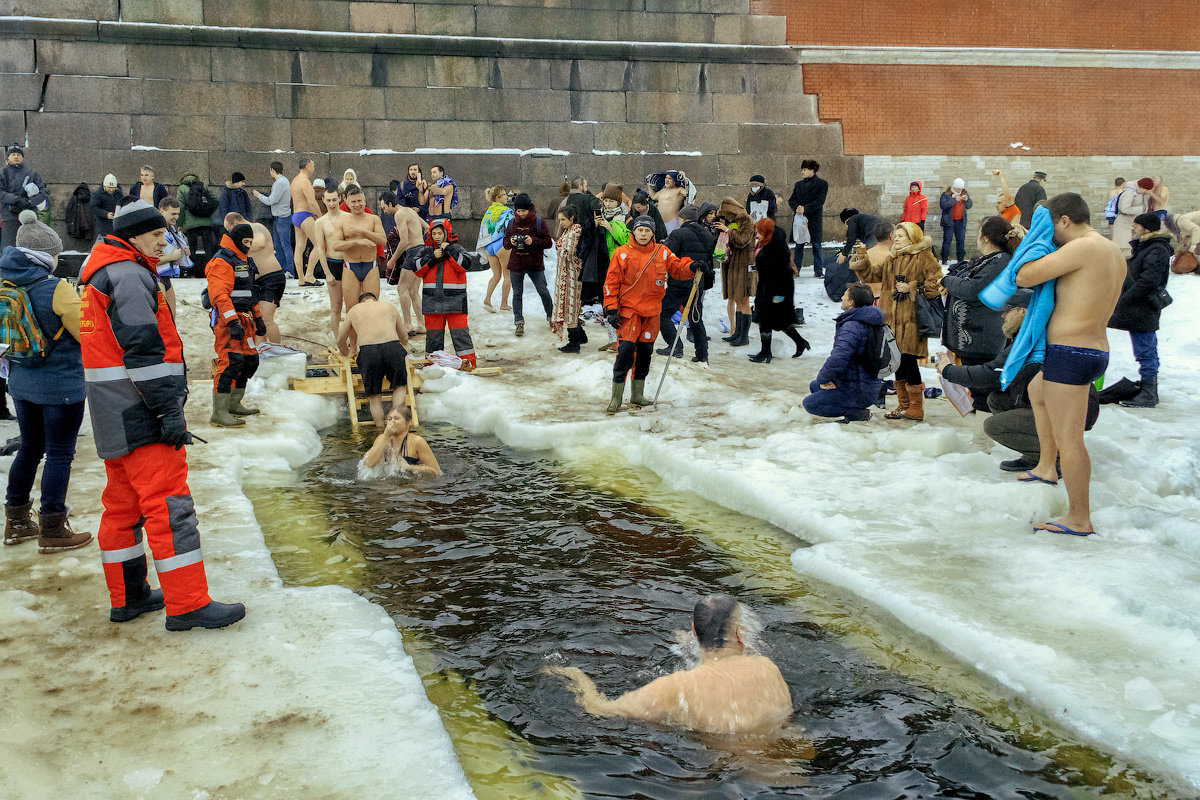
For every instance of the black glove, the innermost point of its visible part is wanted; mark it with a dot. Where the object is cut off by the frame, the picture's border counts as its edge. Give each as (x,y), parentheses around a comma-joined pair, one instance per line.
(174,430)
(260,327)
(236,331)
(612,317)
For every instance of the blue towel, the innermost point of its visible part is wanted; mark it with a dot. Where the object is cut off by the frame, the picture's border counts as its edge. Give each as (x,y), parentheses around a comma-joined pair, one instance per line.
(1030,342)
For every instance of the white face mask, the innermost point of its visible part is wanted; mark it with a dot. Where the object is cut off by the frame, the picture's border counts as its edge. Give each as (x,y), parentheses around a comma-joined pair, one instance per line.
(755,189)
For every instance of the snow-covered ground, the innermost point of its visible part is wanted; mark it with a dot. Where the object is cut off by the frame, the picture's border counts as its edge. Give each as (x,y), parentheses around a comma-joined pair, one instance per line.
(312,695)
(1101,632)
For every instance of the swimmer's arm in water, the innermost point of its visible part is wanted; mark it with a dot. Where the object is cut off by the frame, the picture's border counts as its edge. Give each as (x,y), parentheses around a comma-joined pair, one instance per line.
(375,454)
(651,702)
(343,338)
(429,463)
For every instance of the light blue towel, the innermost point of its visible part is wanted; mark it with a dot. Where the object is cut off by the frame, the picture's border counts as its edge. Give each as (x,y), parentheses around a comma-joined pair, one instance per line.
(1030,342)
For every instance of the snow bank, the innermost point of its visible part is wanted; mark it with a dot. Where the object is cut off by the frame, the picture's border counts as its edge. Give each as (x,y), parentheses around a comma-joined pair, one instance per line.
(1101,633)
(312,695)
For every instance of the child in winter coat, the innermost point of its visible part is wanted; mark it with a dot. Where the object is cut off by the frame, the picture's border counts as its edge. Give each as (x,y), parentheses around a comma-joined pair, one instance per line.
(442,266)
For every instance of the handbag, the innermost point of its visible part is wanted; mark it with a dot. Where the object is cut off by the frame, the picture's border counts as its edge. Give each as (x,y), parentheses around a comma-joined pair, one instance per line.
(1184,262)
(1160,300)
(930,314)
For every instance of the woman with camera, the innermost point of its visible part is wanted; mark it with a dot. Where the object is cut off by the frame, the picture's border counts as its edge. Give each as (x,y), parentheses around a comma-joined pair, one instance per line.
(527,238)
(911,268)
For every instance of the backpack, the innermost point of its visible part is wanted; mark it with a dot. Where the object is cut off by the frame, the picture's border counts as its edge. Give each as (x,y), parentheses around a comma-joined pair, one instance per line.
(881,357)
(1110,208)
(80,224)
(199,201)
(19,327)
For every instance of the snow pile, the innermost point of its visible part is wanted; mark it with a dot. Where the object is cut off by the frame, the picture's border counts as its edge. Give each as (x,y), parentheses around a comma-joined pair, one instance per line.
(1101,633)
(312,695)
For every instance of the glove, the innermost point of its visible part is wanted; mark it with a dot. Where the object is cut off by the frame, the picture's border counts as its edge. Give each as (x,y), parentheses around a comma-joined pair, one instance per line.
(260,327)
(236,331)
(174,430)
(612,317)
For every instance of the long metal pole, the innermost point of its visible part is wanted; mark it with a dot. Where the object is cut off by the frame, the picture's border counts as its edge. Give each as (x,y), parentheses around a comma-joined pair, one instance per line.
(683,320)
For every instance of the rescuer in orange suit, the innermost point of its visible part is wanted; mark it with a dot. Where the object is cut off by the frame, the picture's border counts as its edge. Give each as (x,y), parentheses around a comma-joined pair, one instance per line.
(235,319)
(136,387)
(633,293)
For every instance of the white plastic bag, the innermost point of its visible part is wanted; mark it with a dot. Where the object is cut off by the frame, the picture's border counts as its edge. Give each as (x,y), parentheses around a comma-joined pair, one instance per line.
(444,359)
(800,234)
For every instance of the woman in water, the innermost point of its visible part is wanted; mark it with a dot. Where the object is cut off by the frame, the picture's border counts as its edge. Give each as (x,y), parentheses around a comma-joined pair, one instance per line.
(399,449)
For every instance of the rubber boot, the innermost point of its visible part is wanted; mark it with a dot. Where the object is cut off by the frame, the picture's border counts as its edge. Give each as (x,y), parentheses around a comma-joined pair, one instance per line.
(916,402)
(18,524)
(636,396)
(213,615)
(618,392)
(902,399)
(220,415)
(153,601)
(56,535)
(743,327)
(235,403)
(1147,397)
(763,356)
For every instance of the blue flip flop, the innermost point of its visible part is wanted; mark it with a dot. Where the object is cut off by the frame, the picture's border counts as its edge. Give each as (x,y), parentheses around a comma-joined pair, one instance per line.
(1031,478)
(1058,527)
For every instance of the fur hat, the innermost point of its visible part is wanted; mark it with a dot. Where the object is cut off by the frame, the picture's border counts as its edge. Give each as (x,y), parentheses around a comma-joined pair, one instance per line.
(644,221)
(612,192)
(137,218)
(1150,221)
(1146,183)
(36,235)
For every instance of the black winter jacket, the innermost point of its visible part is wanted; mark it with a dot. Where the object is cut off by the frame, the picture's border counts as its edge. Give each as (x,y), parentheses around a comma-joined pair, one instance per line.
(103,204)
(692,240)
(860,228)
(810,193)
(765,195)
(1149,268)
(972,329)
(592,248)
(776,285)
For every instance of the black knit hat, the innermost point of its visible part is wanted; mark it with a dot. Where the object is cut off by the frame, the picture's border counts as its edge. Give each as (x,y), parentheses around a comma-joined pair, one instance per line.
(1150,221)
(644,221)
(523,201)
(14,148)
(757,179)
(237,178)
(137,218)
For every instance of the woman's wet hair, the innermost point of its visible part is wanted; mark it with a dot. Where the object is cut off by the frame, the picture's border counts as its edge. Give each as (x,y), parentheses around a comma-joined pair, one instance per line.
(711,619)
(403,411)
(999,233)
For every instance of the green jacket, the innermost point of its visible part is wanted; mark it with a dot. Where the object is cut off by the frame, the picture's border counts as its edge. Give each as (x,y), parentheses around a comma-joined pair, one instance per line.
(188,220)
(616,236)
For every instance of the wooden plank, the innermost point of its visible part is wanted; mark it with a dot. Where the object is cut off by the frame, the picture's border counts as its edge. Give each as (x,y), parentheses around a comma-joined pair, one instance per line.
(410,395)
(350,398)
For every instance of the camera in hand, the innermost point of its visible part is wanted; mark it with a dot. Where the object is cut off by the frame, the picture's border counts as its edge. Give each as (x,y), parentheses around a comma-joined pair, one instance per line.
(519,242)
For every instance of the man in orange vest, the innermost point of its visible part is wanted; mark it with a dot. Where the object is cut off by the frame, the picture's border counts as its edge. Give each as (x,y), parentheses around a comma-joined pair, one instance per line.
(633,293)
(136,387)
(235,319)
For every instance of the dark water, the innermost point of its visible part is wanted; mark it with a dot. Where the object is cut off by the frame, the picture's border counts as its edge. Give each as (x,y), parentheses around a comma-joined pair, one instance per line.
(509,563)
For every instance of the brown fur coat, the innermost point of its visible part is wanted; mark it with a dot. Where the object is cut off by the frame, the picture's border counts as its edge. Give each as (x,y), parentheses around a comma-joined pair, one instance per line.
(920,268)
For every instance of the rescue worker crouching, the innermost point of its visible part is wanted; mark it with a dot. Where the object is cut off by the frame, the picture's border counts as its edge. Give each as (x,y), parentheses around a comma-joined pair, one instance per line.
(136,387)
(235,318)
(633,293)
(442,265)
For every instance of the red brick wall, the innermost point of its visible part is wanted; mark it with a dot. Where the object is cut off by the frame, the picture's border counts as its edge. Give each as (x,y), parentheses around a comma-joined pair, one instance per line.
(1162,25)
(956,110)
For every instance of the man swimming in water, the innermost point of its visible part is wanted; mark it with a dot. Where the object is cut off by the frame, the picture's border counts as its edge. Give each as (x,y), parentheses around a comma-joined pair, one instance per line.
(381,338)
(729,692)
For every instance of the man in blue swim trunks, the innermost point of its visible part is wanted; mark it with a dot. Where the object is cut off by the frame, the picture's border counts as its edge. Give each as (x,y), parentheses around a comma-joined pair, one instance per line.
(1089,270)
(304,209)
(356,235)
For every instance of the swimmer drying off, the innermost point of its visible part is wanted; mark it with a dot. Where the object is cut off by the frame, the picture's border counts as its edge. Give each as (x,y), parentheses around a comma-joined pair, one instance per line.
(729,692)
(405,450)
(304,209)
(381,338)
(1089,270)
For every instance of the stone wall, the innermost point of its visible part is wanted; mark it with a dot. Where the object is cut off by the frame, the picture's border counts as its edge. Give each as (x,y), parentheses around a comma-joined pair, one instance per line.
(90,98)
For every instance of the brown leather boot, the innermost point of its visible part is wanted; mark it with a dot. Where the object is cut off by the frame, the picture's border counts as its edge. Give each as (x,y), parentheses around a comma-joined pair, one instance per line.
(18,524)
(56,534)
(901,398)
(916,402)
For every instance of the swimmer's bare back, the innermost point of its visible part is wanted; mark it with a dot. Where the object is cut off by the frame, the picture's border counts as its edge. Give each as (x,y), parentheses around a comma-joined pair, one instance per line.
(729,695)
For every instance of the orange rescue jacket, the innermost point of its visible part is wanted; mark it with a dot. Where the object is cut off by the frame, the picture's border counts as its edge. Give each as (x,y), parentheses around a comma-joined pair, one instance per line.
(637,278)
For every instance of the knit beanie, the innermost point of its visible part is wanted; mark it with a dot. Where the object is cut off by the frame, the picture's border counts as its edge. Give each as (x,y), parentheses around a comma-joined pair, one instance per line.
(644,221)
(1146,183)
(16,148)
(757,179)
(110,180)
(689,213)
(612,192)
(1150,221)
(237,178)
(523,201)
(137,218)
(36,235)
(959,183)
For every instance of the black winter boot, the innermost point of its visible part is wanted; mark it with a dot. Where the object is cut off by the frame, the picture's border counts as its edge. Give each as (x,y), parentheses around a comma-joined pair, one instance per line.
(1147,397)
(743,331)
(801,343)
(213,615)
(763,356)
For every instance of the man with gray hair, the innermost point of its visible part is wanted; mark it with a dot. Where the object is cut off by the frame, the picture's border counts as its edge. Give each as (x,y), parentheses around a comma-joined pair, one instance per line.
(732,690)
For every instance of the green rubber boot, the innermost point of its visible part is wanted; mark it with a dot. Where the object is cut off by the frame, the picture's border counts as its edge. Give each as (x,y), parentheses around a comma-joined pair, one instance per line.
(221,416)
(636,397)
(235,403)
(618,391)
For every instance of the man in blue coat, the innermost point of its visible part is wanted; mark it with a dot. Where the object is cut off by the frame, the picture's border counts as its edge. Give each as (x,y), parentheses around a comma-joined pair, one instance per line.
(844,388)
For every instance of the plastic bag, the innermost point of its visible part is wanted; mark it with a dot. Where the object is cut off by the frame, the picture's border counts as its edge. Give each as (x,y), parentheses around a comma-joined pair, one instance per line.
(446,360)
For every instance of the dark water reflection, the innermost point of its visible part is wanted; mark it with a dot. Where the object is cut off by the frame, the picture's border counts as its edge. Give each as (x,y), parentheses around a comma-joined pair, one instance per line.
(507,564)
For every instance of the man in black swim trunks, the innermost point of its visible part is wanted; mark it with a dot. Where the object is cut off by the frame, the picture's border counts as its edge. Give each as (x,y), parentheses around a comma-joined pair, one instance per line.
(269,279)
(381,349)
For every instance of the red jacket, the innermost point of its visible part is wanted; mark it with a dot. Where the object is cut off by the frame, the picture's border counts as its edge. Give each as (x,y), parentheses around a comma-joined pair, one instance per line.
(916,206)
(230,282)
(444,280)
(637,278)
(132,355)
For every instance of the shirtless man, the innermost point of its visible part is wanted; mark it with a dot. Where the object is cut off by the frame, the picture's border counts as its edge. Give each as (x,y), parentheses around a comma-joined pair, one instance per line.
(437,198)
(326,250)
(381,350)
(304,211)
(269,278)
(729,692)
(146,185)
(410,232)
(356,235)
(1089,270)
(670,199)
